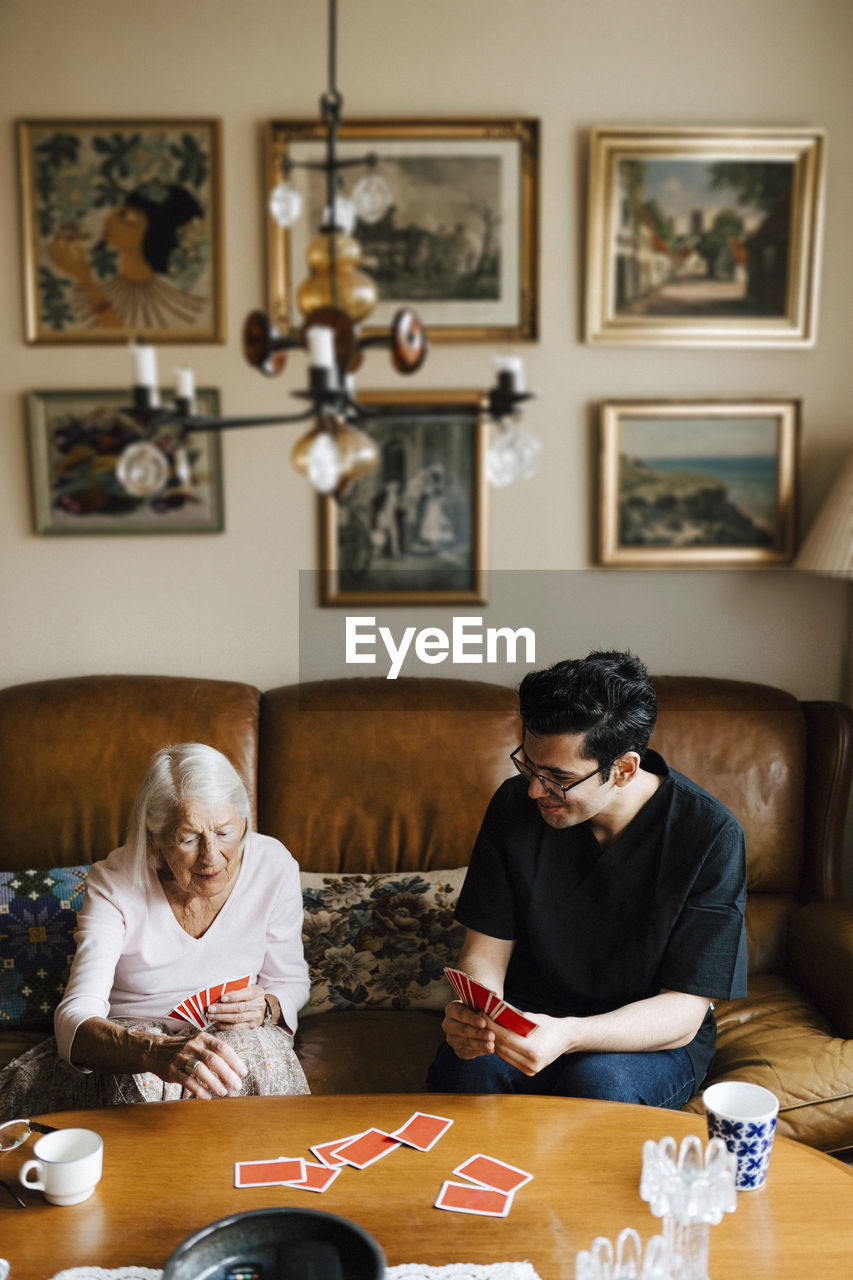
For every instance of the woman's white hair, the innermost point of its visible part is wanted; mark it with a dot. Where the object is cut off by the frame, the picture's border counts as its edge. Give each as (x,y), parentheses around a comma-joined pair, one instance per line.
(179,773)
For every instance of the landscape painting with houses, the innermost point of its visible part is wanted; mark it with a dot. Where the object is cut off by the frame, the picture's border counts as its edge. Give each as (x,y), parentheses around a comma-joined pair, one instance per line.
(699,238)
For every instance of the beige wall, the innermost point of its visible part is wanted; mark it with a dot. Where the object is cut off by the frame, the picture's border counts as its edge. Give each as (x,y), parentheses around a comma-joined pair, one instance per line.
(229,605)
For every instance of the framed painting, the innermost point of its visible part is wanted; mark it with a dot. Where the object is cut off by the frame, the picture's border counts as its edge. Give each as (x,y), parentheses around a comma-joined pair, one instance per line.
(459,240)
(76,441)
(693,483)
(122,230)
(704,237)
(413,531)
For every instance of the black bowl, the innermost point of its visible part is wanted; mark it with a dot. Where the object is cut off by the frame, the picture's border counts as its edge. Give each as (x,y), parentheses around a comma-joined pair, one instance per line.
(300,1244)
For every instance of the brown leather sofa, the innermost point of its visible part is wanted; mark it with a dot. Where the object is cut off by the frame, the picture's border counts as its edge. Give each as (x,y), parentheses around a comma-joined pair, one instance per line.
(375,776)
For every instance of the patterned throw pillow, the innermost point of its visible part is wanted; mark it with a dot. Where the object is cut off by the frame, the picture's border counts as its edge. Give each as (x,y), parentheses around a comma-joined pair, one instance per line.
(38,916)
(380,941)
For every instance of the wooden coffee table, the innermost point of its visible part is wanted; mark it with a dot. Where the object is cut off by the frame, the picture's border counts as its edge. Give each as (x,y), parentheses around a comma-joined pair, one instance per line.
(168,1170)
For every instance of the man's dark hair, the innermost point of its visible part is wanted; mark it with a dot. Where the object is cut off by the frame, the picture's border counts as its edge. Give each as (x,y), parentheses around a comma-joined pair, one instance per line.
(607,696)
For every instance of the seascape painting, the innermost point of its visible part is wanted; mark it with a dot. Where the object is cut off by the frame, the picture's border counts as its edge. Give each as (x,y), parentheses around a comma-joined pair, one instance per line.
(698,483)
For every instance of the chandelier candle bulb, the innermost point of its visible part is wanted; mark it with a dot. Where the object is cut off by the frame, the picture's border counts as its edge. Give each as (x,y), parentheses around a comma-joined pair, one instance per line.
(144,364)
(321,345)
(514,367)
(185,383)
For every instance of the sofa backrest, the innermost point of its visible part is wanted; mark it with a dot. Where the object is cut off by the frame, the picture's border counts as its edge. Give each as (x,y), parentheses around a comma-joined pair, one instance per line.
(74,751)
(376,775)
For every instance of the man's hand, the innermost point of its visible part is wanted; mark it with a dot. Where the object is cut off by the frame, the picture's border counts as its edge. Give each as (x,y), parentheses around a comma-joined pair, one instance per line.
(469,1034)
(530,1054)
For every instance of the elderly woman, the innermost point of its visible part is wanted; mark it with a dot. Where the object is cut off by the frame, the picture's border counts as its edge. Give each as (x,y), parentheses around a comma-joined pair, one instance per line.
(194,898)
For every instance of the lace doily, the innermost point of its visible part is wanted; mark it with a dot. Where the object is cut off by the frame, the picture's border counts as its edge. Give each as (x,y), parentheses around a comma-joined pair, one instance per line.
(406,1271)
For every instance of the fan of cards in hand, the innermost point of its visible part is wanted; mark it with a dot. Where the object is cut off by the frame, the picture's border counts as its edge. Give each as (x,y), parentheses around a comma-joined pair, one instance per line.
(482,1000)
(194,1008)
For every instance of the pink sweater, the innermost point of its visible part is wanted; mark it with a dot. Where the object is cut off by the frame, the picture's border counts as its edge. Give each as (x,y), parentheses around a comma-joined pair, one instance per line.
(133,959)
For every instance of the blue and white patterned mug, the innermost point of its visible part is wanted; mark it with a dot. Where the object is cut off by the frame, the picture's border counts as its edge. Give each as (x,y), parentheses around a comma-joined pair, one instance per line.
(744,1116)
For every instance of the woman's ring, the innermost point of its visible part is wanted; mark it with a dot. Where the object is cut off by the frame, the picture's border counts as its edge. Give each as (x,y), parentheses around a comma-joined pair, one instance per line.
(192,1063)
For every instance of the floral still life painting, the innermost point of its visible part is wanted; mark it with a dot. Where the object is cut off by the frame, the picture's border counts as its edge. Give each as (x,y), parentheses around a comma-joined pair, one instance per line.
(77,442)
(121,230)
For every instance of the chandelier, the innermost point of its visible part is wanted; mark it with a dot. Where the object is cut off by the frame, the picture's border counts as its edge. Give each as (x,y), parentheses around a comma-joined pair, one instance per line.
(335,298)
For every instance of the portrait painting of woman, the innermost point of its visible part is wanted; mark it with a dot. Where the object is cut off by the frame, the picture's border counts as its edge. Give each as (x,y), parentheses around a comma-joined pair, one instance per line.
(121,223)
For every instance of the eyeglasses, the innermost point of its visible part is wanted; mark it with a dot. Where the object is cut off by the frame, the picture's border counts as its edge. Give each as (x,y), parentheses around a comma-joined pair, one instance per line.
(15,1132)
(551,785)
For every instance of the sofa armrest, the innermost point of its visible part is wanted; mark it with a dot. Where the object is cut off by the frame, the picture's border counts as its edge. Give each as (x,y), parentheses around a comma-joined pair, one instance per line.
(820,943)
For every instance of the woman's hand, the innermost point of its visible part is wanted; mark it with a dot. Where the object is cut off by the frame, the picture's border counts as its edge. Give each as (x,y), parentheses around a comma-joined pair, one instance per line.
(205,1065)
(246,1008)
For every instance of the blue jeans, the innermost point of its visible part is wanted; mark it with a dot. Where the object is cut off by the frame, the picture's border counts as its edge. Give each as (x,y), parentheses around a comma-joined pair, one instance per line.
(663,1078)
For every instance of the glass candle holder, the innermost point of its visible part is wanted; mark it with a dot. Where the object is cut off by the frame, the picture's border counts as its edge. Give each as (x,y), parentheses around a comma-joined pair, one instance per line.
(625,1261)
(690,1189)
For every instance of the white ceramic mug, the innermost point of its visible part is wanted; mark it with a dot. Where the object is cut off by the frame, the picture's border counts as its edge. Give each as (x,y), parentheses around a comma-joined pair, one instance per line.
(68,1165)
(744,1116)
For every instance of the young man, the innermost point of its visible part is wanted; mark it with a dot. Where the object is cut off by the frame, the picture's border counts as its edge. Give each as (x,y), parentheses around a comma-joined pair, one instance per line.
(604,897)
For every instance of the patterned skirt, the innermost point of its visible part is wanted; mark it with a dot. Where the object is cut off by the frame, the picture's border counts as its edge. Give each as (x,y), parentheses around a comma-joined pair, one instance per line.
(40,1081)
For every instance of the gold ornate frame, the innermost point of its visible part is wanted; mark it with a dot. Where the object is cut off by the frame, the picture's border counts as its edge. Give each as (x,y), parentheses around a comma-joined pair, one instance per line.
(677,485)
(635,279)
(511,316)
(73,175)
(415,436)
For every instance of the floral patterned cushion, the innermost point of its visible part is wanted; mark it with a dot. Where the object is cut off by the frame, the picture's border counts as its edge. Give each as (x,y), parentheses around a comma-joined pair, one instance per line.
(380,941)
(38,916)
(371,941)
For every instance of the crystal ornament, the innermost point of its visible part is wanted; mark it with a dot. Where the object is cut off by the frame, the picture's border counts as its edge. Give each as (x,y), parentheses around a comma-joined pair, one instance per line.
(285,204)
(372,197)
(341,216)
(142,469)
(513,455)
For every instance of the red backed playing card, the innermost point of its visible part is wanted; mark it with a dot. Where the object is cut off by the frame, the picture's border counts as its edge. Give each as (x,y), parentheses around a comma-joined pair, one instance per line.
(369,1147)
(493,1173)
(462,1198)
(483,1000)
(327,1151)
(318,1177)
(269,1173)
(193,1008)
(422,1131)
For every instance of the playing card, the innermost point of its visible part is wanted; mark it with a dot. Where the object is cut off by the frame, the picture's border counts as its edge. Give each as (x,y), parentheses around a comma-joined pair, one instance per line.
(463,1198)
(269,1173)
(366,1149)
(193,1008)
(327,1151)
(493,1173)
(483,1000)
(422,1131)
(318,1177)
(506,1015)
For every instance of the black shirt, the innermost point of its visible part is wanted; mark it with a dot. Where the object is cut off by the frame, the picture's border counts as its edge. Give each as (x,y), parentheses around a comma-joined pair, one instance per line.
(596,928)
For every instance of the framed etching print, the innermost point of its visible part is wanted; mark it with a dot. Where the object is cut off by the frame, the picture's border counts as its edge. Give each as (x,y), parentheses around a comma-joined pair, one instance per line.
(691,483)
(413,530)
(704,237)
(459,240)
(122,230)
(77,439)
